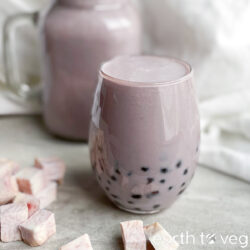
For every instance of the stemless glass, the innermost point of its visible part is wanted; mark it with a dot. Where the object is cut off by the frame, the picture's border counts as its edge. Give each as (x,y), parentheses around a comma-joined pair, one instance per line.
(145,131)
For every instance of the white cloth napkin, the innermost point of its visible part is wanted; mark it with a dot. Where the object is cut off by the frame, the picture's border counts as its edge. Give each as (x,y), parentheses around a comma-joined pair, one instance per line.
(10,105)
(211,35)
(226,134)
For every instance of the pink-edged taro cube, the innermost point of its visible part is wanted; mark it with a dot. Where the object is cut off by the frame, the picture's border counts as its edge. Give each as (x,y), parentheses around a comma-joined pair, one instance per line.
(159,238)
(133,235)
(31,180)
(11,216)
(80,243)
(38,228)
(47,195)
(31,201)
(54,168)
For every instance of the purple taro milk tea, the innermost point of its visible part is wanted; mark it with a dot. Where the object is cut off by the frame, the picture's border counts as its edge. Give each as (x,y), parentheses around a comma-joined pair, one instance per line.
(145,131)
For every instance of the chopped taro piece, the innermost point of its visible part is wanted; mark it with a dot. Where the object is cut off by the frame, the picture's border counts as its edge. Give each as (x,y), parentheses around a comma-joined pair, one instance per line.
(8,167)
(54,168)
(159,237)
(124,180)
(47,195)
(8,189)
(133,235)
(38,228)
(31,180)
(31,201)
(144,188)
(99,155)
(80,243)
(11,216)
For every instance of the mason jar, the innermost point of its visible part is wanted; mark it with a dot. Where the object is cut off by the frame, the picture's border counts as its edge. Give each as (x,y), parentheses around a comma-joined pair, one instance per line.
(77,36)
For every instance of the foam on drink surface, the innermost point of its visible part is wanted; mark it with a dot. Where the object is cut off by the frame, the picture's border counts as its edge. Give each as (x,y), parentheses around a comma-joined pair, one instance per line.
(145,69)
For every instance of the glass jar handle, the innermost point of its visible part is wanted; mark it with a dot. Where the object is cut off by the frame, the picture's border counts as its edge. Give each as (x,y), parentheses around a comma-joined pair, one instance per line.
(12,82)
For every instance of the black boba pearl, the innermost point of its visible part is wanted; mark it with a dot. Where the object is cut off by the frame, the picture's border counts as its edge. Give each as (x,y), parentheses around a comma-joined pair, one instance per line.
(118,171)
(150,180)
(156,206)
(107,189)
(144,169)
(137,209)
(185,171)
(183,184)
(164,170)
(130,202)
(114,196)
(162,181)
(181,191)
(108,181)
(170,188)
(136,196)
(178,164)
(129,173)
(113,178)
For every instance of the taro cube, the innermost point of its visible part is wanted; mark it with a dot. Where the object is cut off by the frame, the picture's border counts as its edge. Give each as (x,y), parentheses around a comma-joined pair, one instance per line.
(31,201)
(47,195)
(31,180)
(80,243)
(11,216)
(54,168)
(38,228)
(160,238)
(133,235)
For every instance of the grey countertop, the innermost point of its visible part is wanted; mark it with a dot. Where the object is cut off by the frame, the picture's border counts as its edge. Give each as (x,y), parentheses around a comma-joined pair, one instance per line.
(213,204)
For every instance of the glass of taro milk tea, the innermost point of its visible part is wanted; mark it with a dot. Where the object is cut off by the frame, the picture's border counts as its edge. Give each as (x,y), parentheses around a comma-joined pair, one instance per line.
(145,131)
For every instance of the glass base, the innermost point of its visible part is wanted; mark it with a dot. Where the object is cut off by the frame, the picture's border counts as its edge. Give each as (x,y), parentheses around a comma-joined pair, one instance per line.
(133,211)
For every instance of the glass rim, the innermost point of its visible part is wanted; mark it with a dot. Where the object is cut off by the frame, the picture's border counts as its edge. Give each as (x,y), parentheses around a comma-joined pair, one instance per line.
(151,84)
